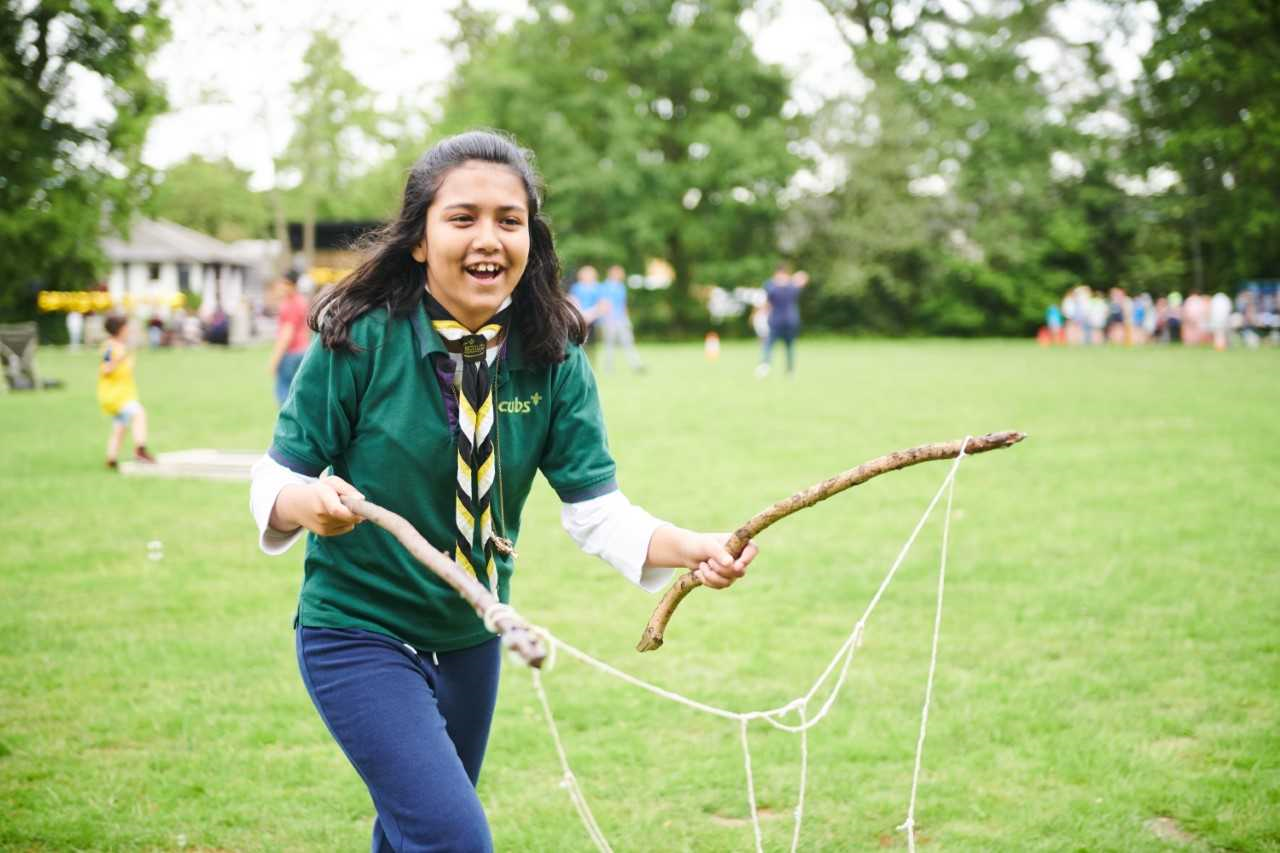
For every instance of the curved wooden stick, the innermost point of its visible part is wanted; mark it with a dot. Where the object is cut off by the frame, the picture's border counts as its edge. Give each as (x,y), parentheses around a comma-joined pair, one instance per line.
(652,637)
(515,631)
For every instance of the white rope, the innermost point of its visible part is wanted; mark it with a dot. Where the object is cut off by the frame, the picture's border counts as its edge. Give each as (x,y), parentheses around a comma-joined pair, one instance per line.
(496,611)
(570,782)
(842,659)
(751,785)
(846,651)
(804,775)
(910,823)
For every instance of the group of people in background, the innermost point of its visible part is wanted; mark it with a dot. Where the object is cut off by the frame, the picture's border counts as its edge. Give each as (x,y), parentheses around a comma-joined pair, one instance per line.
(603,305)
(1088,317)
(182,327)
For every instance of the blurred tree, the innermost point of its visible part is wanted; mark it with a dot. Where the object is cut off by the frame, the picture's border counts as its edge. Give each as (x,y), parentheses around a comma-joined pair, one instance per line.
(659,131)
(376,193)
(1019,240)
(211,196)
(1208,107)
(870,242)
(71,161)
(336,129)
(970,197)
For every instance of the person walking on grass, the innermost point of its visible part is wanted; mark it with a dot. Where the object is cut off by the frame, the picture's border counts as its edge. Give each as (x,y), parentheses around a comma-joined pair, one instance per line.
(782,292)
(585,294)
(447,369)
(118,393)
(292,335)
(618,333)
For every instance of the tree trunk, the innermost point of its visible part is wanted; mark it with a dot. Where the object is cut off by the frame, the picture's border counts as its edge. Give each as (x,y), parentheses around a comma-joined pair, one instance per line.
(281,232)
(683,305)
(309,235)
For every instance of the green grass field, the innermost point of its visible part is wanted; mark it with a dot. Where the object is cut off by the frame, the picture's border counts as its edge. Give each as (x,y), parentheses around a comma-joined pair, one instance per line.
(1109,676)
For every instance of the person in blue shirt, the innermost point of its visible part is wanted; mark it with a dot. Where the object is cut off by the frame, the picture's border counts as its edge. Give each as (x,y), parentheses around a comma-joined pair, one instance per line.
(783,293)
(616,322)
(585,295)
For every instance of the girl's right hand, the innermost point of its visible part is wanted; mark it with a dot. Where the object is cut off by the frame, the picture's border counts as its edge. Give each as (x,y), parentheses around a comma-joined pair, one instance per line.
(317,507)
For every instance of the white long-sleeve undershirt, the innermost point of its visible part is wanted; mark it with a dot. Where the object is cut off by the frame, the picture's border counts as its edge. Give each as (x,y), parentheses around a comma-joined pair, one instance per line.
(609,526)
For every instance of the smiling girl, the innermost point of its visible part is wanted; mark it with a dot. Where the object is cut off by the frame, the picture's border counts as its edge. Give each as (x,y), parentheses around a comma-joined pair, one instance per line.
(447,371)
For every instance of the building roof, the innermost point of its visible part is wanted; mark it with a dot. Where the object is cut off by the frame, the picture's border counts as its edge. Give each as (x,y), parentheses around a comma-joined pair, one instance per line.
(160,241)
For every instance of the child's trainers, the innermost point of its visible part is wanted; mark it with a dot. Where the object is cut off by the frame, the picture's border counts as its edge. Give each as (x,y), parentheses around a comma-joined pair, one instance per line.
(143,455)
(112,465)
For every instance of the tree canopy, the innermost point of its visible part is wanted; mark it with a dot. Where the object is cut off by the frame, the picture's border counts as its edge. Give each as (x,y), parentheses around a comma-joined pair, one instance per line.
(212,196)
(986,157)
(335,126)
(658,130)
(1208,108)
(70,169)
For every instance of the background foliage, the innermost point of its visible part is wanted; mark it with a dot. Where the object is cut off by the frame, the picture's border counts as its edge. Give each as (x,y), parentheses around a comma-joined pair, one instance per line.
(659,132)
(983,157)
(64,176)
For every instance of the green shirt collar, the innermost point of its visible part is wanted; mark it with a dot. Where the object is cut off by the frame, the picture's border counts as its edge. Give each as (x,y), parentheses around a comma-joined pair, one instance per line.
(430,342)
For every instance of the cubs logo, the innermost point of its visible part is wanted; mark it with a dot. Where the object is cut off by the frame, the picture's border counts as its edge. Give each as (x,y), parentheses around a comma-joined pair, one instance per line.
(518,406)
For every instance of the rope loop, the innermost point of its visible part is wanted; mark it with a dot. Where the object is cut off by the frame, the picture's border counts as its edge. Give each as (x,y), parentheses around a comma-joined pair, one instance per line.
(838,666)
(496,611)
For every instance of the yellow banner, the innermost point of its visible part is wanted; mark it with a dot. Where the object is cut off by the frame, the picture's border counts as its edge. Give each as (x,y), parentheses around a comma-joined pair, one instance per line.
(327,275)
(85,301)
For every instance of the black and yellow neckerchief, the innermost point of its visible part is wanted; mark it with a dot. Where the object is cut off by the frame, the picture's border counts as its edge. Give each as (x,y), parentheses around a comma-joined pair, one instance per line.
(476,458)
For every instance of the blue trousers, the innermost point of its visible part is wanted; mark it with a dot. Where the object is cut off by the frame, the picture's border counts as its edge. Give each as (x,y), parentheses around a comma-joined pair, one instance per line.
(787,335)
(414,729)
(285,371)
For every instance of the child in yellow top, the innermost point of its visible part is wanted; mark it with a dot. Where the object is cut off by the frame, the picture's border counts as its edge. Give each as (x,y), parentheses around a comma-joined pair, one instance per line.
(118,393)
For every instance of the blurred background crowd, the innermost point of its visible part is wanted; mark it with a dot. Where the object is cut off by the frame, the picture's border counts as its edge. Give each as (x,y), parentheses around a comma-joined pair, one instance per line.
(1086,317)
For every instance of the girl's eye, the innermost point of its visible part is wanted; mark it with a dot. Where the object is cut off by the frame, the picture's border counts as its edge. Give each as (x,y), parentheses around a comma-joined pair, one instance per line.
(512,220)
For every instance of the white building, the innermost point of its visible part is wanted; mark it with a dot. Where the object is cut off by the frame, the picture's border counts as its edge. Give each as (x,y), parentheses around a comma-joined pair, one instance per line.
(161,259)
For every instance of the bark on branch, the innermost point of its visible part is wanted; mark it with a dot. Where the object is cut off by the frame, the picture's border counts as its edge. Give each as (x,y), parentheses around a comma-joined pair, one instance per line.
(515,631)
(652,637)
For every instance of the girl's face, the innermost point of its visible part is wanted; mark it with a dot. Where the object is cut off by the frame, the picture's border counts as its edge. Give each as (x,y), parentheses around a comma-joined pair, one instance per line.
(476,243)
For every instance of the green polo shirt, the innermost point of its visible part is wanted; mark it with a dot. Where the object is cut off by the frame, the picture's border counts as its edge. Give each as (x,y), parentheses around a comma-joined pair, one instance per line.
(378,418)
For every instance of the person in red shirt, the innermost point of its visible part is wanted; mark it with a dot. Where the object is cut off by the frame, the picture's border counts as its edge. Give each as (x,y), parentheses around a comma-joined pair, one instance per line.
(292,335)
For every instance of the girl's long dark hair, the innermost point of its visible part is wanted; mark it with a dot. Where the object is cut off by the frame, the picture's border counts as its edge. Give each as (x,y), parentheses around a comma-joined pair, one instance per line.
(389,276)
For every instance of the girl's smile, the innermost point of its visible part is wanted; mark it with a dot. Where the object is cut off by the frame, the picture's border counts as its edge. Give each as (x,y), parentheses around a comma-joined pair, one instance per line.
(476,243)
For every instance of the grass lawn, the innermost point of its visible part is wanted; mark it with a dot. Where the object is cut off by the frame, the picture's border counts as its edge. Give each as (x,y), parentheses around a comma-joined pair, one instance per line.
(1109,676)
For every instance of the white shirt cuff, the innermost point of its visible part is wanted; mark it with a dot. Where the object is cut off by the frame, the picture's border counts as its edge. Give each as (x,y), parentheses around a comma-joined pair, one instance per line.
(615,530)
(268,478)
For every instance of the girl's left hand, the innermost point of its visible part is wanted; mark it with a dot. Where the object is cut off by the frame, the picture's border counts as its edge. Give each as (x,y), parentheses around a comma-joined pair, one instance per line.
(711,561)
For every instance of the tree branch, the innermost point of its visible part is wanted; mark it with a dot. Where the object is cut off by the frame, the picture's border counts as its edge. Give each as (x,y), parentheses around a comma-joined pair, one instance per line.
(42,19)
(515,631)
(652,637)
(834,13)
